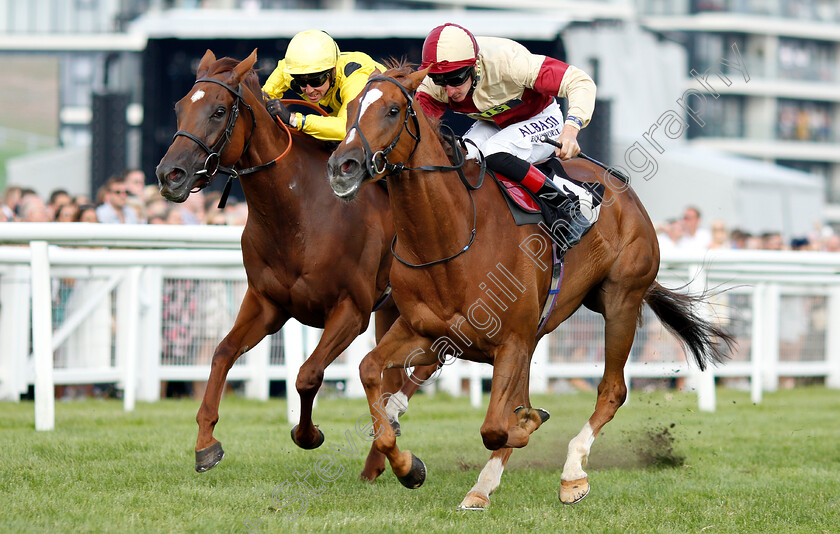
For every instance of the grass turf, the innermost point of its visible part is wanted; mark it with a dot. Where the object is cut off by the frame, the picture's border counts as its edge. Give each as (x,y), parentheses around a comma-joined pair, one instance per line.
(660,466)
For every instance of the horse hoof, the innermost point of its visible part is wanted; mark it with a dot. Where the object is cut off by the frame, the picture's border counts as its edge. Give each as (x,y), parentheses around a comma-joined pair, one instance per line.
(573,491)
(416,475)
(475,501)
(207,458)
(544,415)
(396,426)
(308,446)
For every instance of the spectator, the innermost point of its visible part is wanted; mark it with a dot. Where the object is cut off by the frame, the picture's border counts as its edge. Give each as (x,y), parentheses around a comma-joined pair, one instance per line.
(695,238)
(135,182)
(156,218)
(87,213)
(33,209)
(738,239)
(831,243)
(669,239)
(216,217)
(174,215)
(81,200)
(11,199)
(67,213)
(772,241)
(720,237)
(58,198)
(113,208)
(800,243)
(192,210)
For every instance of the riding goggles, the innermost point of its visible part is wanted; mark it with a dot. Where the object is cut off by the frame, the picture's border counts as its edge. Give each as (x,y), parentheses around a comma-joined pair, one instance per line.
(452,79)
(312,80)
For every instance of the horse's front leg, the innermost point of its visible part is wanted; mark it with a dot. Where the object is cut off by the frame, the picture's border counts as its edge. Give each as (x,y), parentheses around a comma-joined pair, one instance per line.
(395,349)
(341,327)
(255,320)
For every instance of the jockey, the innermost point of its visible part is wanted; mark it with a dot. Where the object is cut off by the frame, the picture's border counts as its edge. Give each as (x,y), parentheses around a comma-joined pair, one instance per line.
(315,69)
(511,93)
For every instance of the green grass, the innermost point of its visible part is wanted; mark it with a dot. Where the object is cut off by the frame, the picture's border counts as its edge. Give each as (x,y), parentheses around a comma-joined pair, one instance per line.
(773,467)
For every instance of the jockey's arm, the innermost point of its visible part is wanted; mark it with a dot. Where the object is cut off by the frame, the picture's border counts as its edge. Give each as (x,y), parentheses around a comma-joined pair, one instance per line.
(579,89)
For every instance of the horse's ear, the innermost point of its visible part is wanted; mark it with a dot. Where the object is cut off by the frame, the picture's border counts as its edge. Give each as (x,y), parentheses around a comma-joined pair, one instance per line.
(204,66)
(245,66)
(413,80)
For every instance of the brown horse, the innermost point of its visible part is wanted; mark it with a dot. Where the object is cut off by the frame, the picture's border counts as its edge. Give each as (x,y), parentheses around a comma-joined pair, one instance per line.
(452,241)
(307,255)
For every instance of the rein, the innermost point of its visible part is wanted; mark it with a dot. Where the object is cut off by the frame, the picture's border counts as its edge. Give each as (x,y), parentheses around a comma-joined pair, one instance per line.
(377,163)
(212,163)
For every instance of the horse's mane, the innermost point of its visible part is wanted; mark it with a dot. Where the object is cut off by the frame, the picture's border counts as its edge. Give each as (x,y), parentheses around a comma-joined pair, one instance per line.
(226,64)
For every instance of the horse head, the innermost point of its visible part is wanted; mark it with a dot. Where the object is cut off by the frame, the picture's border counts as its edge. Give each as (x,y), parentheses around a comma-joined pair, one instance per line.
(209,138)
(383,113)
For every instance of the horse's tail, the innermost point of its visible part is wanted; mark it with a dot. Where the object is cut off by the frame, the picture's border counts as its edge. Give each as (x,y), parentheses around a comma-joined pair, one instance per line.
(700,336)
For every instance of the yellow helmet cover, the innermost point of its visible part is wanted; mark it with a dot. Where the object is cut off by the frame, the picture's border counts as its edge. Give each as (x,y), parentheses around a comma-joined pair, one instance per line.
(311,51)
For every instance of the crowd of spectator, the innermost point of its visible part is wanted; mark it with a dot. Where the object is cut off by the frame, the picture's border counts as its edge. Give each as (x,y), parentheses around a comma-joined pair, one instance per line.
(123,199)
(688,233)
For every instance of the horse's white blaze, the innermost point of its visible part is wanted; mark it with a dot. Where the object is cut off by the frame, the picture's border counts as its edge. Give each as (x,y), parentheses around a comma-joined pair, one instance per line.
(397,405)
(578,452)
(372,96)
(350,136)
(198,95)
(490,477)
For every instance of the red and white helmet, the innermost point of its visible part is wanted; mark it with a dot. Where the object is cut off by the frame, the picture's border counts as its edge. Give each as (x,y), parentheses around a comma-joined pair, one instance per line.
(449,47)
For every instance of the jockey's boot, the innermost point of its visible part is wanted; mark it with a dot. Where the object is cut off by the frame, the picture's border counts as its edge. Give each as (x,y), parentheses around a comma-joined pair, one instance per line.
(542,186)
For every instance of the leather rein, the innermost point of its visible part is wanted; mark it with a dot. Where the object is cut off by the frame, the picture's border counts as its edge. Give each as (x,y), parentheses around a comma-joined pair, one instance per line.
(377,162)
(212,165)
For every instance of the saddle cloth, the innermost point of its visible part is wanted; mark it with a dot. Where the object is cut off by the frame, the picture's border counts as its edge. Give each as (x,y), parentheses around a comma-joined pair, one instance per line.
(527,208)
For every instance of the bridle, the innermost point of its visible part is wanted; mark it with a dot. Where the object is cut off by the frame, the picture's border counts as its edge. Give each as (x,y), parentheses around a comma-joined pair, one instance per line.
(377,162)
(212,165)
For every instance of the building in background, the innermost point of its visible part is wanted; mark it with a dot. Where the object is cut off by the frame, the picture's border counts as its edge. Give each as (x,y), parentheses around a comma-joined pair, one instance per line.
(788,112)
(142,53)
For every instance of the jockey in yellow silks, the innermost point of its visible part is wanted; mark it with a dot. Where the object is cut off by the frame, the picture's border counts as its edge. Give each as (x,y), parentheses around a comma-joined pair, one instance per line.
(318,71)
(511,92)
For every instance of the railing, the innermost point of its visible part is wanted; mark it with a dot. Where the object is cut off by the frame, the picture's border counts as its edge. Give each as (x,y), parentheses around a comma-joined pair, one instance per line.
(141,316)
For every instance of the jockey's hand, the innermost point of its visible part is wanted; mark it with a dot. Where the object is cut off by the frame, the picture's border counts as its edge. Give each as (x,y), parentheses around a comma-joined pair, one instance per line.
(279,110)
(568,138)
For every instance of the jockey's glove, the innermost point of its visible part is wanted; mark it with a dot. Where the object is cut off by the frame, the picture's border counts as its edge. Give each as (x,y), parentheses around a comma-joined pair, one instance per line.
(278,109)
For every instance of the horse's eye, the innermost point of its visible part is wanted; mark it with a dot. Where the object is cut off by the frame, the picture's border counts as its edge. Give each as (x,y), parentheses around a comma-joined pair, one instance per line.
(393,111)
(220,112)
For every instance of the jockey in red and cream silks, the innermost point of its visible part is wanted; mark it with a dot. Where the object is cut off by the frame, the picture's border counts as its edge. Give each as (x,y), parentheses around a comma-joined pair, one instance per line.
(318,71)
(510,92)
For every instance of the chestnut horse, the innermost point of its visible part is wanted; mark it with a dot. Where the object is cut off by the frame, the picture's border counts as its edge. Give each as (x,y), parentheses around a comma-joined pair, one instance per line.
(307,255)
(451,240)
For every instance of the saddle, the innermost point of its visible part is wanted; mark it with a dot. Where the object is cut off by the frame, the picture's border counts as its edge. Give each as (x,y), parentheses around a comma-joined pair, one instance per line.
(527,208)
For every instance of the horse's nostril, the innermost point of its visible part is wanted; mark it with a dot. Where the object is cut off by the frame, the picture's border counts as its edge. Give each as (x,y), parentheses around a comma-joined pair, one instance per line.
(347,166)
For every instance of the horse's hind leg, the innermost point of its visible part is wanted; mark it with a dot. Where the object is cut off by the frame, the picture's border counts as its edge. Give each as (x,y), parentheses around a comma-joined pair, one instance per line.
(620,315)
(341,327)
(254,321)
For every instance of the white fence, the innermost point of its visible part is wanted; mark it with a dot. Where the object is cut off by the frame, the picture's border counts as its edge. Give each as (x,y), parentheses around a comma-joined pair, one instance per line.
(153,310)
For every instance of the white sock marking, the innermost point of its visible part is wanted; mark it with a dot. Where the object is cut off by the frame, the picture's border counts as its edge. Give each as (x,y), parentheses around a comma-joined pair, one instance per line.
(490,477)
(578,453)
(397,405)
